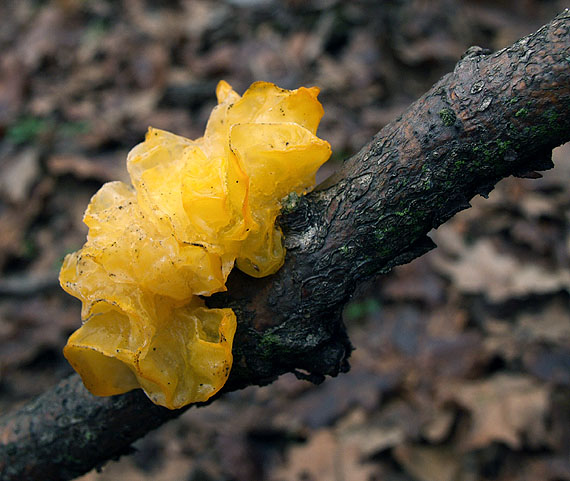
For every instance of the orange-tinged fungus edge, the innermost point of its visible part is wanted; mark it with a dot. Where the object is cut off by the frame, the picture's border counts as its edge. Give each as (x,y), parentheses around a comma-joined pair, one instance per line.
(195,209)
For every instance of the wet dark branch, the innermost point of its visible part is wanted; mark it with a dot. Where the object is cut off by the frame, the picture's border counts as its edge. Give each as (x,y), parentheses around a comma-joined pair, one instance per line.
(495,115)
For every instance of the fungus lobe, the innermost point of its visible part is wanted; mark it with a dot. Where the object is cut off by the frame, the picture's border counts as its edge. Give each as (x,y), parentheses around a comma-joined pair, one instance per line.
(155,248)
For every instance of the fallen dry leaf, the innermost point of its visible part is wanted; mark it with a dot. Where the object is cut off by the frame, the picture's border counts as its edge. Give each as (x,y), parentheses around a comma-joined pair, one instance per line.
(481,269)
(551,324)
(103,168)
(371,436)
(314,461)
(429,463)
(508,408)
(541,337)
(324,458)
(19,172)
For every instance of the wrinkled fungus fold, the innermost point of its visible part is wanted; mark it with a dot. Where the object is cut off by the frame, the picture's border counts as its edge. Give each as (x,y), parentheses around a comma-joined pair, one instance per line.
(155,248)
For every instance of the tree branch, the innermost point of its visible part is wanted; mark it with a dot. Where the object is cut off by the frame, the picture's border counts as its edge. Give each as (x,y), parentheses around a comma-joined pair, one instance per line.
(495,115)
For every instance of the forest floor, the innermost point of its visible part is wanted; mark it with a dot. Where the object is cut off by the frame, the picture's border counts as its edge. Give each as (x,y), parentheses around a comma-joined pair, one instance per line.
(462,364)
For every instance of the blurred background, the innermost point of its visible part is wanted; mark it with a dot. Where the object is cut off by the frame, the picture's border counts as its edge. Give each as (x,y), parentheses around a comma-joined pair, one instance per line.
(462,364)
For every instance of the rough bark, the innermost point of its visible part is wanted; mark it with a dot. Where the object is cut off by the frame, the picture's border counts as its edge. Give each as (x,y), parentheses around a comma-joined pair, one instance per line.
(495,115)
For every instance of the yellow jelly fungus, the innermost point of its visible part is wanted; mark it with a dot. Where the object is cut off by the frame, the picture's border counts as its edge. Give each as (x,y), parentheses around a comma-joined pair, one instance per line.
(195,208)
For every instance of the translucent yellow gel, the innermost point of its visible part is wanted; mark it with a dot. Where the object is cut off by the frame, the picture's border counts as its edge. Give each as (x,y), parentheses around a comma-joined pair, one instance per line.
(194,210)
